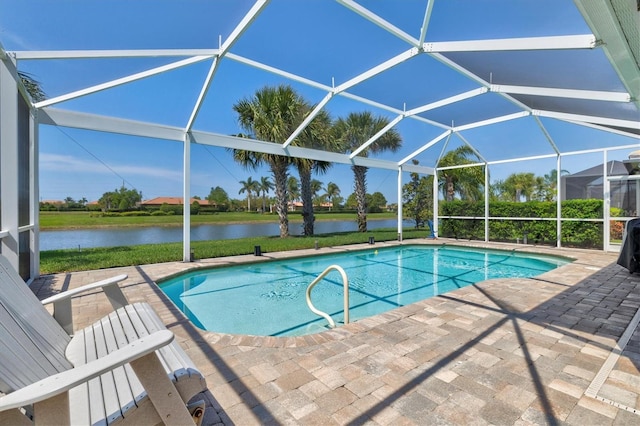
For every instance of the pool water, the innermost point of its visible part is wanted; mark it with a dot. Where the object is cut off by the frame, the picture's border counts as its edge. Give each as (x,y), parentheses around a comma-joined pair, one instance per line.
(268,298)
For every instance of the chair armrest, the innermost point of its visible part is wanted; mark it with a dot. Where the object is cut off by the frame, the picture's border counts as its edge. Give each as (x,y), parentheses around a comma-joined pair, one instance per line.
(62,382)
(62,301)
(99,284)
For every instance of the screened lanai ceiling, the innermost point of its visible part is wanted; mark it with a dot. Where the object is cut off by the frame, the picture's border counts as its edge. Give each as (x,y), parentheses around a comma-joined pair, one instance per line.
(511,75)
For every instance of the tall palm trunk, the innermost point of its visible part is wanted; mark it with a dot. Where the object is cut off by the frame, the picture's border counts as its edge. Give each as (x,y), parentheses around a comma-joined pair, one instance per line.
(360,174)
(307,200)
(279,170)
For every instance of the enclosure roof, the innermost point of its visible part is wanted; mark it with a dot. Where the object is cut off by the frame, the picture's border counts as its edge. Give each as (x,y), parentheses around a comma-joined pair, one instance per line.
(497,76)
(614,168)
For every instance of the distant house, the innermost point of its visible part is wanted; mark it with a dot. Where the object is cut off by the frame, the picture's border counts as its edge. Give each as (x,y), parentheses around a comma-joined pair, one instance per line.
(589,183)
(294,205)
(172,201)
(52,202)
(297,205)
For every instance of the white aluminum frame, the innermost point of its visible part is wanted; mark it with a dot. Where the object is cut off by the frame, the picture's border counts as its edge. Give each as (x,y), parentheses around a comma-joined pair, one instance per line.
(602,21)
(605,220)
(9,162)
(120,81)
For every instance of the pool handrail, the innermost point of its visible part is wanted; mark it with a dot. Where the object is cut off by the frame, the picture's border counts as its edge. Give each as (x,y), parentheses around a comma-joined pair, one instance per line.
(345,282)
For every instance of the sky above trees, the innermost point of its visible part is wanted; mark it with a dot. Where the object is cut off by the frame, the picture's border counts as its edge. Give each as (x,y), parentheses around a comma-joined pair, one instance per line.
(85,164)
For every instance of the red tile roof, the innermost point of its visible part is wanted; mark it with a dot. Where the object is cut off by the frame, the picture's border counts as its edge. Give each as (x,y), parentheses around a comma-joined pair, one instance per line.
(172,201)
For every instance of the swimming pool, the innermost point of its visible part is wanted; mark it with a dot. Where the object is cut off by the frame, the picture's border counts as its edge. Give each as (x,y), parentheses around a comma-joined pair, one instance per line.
(268,298)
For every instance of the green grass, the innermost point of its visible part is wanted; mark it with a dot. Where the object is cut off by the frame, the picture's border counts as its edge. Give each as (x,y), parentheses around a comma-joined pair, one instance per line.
(55,261)
(76,220)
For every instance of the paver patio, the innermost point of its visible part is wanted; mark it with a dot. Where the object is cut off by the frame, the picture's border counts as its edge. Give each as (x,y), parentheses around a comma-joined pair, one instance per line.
(504,351)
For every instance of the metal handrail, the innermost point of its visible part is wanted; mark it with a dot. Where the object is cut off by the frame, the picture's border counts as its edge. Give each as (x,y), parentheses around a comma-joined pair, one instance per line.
(345,282)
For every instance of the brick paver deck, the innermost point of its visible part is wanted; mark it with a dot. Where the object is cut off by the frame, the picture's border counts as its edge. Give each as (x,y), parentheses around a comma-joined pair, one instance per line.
(506,351)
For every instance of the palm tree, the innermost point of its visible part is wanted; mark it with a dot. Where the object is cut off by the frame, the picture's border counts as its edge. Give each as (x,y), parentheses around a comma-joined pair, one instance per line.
(333,192)
(354,131)
(316,135)
(34,89)
(249,186)
(541,190)
(272,114)
(550,191)
(466,182)
(265,185)
(293,189)
(518,185)
(315,187)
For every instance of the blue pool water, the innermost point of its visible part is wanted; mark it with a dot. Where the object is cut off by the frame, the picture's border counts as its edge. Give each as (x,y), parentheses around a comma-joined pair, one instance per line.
(268,298)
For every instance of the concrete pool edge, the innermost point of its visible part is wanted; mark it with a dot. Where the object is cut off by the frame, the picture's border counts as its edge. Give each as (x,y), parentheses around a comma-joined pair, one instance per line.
(362,325)
(539,372)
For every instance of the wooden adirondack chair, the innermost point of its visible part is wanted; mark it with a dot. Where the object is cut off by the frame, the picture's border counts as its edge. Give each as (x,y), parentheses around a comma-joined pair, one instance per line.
(125,368)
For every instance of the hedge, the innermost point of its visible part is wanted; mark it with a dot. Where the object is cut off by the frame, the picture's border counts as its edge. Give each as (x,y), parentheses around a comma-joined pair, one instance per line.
(574,233)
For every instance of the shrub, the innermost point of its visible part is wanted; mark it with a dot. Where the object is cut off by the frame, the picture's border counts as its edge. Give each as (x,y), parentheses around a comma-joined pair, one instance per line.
(616,212)
(136,213)
(574,233)
(195,207)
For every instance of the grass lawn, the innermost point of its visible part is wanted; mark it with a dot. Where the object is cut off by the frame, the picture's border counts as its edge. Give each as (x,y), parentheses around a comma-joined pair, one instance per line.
(55,261)
(71,220)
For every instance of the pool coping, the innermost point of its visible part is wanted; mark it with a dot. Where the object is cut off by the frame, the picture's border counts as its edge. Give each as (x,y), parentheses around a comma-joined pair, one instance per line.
(362,325)
(304,379)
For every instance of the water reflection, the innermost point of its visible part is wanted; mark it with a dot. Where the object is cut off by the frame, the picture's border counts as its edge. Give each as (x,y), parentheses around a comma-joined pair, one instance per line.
(109,237)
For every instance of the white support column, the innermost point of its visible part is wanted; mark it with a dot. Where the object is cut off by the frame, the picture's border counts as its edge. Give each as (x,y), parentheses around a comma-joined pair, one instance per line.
(606,195)
(486,202)
(435,203)
(426,20)
(186,194)
(558,201)
(119,81)
(316,110)
(385,25)
(377,136)
(34,190)
(9,161)
(400,203)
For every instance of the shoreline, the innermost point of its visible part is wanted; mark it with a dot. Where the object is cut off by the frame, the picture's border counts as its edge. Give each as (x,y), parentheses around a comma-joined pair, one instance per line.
(176,225)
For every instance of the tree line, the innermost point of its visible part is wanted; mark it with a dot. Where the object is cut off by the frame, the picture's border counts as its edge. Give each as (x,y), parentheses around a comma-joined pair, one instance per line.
(121,199)
(467,184)
(325,197)
(273,113)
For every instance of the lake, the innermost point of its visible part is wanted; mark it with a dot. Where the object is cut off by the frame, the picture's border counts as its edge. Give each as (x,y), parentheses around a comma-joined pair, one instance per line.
(110,237)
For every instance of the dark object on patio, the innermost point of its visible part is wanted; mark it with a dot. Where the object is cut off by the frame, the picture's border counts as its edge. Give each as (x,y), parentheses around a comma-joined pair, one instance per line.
(630,250)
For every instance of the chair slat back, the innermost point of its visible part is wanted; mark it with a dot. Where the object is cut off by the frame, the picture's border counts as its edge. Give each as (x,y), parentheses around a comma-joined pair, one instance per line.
(32,343)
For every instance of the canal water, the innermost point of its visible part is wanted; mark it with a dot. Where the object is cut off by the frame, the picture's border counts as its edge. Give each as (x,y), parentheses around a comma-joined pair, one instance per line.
(110,237)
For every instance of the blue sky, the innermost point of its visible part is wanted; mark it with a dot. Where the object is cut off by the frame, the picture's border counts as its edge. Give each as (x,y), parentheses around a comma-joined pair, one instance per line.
(317,39)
